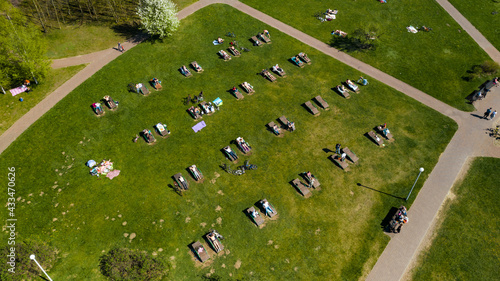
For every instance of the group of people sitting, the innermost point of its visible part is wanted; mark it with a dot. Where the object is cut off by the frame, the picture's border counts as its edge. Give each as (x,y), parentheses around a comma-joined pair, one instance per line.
(339,151)
(399,219)
(384,129)
(208,108)
(276,130)
(330,14)
(244,146)
(195,111)
(291,126)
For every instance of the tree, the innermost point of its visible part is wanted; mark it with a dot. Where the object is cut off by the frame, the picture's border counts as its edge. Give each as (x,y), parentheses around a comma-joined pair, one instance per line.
(126,264)
(25,268)
(360,40)
(22,48)
(158,17)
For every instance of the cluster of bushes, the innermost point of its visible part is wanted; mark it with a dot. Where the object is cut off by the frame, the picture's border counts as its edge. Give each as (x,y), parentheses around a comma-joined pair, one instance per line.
(487,68)
(126,264)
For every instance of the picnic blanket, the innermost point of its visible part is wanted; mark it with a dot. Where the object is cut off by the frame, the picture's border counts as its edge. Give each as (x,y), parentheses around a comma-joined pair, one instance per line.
(196,128)
(216,42)
(113,174)
(217,102)
(18,90)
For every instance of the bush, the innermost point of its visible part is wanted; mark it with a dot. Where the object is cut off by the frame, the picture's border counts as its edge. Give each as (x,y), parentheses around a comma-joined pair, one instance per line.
(25,268)
(126,264)
(487,68)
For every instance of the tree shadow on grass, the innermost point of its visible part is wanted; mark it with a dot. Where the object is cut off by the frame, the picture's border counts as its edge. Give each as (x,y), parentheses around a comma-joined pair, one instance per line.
(359,184)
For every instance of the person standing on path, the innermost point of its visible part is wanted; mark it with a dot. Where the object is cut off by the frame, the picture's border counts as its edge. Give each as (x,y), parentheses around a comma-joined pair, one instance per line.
(493,114)
(487,113)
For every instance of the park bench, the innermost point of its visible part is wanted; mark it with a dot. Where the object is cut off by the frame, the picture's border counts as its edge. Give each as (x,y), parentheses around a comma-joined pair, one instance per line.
(98,109)
(386,134)
(204,106)
(194,112)
(243,145)
(337,159)
(247,87)
(350,155)
(196,66)
(195,172)
(214,242)
(231,155)
(237,94)
(256,42)
(304,57)
(278,70)
(344,93)
(110,103)
(224,55)
(234,51)
(181,181)
(148,136)
(156,84)
(297,61)
(302,188)
(264,38)
(185,71)
(322,102)
(161,129)
(273,128)
(258,219)
(268,75)
(270,214)
(313,180)
(378,140)
(311,108)
(200,251)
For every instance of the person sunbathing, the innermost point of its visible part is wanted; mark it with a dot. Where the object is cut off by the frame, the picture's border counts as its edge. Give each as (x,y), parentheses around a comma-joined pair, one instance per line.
(341,89)
(243,144)
(297,60)
(267,207)
(215,242)
(386,131)
(247,85)
(303,55)
(197,66)
(184,70)
(234,89)
(254,214)
(256,43)
(276,129)
(353,86)
(220,40)
(291,126)
(231,152)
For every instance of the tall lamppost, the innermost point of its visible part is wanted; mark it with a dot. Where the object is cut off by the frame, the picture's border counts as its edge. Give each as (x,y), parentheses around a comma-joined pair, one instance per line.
(421,170)
(33,258)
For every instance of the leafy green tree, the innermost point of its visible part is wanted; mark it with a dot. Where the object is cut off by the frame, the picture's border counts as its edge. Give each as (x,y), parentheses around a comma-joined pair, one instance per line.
(25,268)
(158,17)
(125,264)
(22,48)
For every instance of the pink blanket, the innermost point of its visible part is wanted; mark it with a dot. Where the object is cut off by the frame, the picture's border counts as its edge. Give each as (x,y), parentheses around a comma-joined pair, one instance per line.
(18,90)
(113,174)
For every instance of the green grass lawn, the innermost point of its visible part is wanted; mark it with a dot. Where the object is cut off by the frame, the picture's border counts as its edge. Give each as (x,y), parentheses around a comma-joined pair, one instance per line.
(74,40)
(466,243)
(433,62)
(334,235)
(483,14)
(13,109)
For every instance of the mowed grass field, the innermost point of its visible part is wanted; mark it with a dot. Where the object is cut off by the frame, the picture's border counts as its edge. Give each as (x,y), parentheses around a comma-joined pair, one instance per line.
(484,15)
(335,234)
(13,109)
(466,241)
(433,62)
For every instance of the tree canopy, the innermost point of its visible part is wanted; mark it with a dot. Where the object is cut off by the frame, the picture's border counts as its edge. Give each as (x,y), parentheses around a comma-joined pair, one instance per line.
(158,17)
(22,48)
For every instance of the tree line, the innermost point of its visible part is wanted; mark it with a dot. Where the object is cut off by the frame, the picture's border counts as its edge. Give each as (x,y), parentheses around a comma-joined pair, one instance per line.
(55,13)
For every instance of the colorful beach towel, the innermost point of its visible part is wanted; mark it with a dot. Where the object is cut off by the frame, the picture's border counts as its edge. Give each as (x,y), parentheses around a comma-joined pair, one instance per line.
(18,90)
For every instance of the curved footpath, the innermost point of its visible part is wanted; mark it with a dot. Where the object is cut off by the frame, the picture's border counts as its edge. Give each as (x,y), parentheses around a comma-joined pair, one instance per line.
(471,139)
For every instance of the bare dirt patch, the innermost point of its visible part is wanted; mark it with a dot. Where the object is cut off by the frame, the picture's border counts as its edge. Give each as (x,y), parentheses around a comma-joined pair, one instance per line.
(237,265)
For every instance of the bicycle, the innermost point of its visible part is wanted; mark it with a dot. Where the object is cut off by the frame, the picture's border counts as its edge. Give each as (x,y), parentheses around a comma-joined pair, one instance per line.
(248,166)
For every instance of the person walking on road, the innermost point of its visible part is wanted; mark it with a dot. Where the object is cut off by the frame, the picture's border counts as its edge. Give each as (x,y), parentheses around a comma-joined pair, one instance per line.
(487,113)
(493,114)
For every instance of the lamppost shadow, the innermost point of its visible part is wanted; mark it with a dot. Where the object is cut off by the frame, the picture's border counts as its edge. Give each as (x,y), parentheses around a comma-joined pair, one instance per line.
(371,188)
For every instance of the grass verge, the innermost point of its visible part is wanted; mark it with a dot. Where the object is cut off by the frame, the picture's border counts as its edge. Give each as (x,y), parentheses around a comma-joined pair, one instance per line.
(466,243)
(84,216)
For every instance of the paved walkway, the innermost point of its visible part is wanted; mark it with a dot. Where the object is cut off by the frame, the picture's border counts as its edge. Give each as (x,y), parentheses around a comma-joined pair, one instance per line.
(470,140)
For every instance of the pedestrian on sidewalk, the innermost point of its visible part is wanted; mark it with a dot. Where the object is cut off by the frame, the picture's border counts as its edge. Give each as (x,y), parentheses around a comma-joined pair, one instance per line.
(487,113)
(493,114)
(120,47)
